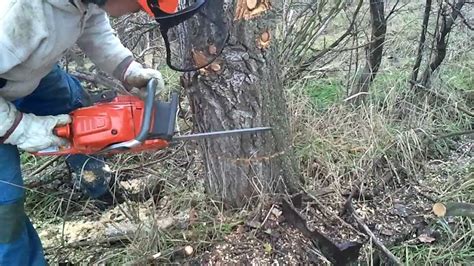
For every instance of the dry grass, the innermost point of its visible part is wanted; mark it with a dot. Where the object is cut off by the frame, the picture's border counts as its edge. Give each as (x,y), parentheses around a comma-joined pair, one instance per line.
(385,150)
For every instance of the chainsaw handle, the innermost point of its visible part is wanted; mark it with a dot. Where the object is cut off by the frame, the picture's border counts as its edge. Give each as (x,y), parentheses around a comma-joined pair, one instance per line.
(151,88)
(147,116)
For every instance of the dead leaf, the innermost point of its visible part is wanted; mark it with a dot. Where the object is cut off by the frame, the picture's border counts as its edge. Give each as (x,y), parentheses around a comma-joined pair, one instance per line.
(253,224)
(276,212)
(165,222)
(424,238)
(193,216)
(240,229)
(386,232)
(268,248)
(401,210)
(212,49)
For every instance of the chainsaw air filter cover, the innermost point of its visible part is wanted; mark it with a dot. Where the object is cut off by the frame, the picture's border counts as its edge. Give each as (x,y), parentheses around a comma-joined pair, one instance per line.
(194,20)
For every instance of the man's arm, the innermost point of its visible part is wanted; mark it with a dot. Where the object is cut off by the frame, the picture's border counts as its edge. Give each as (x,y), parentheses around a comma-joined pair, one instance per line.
(8,115)
(101,45)
(27,131)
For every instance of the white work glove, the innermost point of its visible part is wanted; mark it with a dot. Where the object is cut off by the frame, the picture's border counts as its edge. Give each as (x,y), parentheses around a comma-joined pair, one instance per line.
(137,76)
(35,133)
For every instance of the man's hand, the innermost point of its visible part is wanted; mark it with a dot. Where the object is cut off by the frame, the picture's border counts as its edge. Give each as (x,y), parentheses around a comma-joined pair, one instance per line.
(35,133)
(138,77)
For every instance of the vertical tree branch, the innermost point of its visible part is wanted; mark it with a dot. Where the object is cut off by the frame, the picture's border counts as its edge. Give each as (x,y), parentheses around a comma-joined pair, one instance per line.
(447,23)
(421,44)
(374,50)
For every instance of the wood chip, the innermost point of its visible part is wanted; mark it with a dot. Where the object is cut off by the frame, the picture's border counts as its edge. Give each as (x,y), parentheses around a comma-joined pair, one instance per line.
(276,212)
(215,67)
(188,250)
(212,49)
(252,4)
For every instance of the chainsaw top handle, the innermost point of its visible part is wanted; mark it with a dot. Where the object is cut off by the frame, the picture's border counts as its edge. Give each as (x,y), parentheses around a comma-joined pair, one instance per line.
(151,88)
(146,121)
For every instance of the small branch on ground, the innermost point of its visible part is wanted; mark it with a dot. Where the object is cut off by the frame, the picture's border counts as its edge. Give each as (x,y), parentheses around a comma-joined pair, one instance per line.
(46,164)
(36,182)
(331,251)
(360,222)
(109,241)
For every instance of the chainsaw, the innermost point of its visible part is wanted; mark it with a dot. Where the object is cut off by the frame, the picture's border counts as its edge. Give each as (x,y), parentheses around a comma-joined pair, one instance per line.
(127,123)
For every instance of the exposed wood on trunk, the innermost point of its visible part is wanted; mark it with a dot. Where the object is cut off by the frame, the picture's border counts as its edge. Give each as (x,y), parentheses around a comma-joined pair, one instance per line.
(248,9)
(247,92)
(374,50)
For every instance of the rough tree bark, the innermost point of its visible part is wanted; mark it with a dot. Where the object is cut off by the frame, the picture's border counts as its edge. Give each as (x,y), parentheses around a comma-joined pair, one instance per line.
(243,89)
(374,50)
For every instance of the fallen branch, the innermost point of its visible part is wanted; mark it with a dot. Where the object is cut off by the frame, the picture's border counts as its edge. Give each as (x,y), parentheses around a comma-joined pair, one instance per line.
(41,182)
(339,255)
(109,241)
(461,209)
(42,167)
(320,207)
(360,222)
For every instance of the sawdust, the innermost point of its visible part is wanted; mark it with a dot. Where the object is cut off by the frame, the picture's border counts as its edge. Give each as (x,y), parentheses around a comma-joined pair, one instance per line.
(89,176)
(134,185)
(128,218)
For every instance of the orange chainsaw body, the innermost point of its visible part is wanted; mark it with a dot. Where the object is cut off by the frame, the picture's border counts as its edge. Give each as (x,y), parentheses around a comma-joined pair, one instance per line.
(96,127)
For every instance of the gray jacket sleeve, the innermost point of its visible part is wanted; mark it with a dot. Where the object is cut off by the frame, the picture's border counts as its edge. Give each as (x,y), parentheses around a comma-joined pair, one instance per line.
(7,115)
(101,45)
(7,110)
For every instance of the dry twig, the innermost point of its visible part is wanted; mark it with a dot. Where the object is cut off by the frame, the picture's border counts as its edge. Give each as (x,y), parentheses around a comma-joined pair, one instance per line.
(360,222)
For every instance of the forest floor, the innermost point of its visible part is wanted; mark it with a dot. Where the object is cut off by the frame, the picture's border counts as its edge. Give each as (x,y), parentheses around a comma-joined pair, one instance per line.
(398,212)
(395,157)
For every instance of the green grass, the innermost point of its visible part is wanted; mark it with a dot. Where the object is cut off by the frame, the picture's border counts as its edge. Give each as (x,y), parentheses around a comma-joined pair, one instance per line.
(324,92)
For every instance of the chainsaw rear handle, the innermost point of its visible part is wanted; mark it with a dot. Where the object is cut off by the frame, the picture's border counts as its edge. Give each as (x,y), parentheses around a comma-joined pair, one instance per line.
(151,88)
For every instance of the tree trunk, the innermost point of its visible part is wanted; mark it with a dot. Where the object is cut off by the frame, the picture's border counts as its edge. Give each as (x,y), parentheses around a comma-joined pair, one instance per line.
(421,44)
(374,50)
(243,89)
(442,38)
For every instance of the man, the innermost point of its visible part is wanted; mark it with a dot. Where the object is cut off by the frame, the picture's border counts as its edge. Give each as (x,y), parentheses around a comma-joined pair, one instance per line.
(36,95)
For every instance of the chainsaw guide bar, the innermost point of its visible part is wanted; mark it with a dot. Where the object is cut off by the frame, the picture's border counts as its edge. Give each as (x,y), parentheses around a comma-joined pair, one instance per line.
(128,124)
